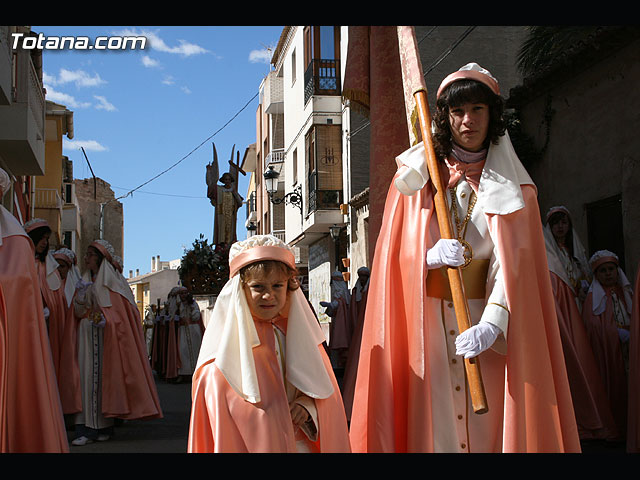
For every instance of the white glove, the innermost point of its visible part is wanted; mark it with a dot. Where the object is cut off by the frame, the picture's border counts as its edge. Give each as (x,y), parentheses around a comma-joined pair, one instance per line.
(624,335)
(448,252)
(476,339)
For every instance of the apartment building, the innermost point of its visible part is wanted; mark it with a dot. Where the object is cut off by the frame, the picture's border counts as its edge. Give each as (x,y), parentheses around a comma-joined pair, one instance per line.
(299,170)
(22,121)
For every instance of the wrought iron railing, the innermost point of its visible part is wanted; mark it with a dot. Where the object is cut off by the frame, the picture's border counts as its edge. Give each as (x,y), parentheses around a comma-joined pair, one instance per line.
(320,199)
(322,77)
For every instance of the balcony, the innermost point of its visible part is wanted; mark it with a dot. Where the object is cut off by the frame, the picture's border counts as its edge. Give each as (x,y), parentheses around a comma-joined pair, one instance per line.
(322,77)
(321,199)
(22,122)
(273,94)
(274,157)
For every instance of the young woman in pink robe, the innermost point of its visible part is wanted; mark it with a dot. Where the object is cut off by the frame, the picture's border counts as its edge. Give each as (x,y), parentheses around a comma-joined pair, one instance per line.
(109,335)
(51,286)
(411,393)
(569,270)
(263,383)
(607,318)
(31,419)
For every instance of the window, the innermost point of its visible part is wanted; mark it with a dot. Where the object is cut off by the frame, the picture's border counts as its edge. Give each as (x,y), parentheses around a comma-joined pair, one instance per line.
(293,67)
(324,167)
(321,60)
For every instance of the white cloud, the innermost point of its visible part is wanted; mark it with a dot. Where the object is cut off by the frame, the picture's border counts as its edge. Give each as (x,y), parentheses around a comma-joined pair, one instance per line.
(89,145)
(260,56)
(154,41)
(79,77)
(185,90)
(64,98)
(168,80)
(149,62)
(103,104)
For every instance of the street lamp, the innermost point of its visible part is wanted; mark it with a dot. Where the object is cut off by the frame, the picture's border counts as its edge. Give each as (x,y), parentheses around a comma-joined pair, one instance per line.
(271,185)
(334,232)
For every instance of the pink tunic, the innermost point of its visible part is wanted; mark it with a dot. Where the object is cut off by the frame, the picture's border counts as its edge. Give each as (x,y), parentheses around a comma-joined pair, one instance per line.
(128,388)
(56,302)
(590,402)
(605,342)
(223,422)
(31,418)
(395,408)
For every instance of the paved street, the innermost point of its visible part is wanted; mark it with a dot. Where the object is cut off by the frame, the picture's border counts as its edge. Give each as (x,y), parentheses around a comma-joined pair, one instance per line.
(165,435)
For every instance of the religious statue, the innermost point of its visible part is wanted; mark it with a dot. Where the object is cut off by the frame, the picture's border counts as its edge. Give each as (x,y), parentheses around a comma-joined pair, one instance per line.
(224,198)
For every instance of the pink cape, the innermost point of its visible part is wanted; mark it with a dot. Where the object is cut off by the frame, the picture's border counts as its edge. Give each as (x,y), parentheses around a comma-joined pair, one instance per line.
(590,402)
(223,422)
(31,418)
(56,302)
(128,389)
(605,343)
(530,397)
(633,420)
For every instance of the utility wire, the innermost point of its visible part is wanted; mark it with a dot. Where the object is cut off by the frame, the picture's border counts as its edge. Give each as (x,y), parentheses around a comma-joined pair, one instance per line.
(191,152)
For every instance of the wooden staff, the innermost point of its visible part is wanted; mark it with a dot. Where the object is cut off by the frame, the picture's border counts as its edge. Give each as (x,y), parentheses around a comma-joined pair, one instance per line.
(472,366)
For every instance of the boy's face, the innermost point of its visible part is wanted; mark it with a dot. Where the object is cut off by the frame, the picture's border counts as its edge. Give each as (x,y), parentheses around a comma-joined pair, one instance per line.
(266,294)
(607,274)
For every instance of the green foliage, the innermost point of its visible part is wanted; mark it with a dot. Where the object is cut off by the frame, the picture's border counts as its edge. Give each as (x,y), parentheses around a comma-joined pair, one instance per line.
(204,268)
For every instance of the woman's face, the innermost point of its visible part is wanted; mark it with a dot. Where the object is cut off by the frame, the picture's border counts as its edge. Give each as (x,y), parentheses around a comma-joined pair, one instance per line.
(607,274)
(561,228)
(43,243)
(63,268)
(266,294)
(92,260)
(469,125)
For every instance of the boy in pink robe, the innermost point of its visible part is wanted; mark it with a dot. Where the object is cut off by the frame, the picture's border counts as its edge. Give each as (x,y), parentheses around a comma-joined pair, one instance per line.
(607,317)
(263,383)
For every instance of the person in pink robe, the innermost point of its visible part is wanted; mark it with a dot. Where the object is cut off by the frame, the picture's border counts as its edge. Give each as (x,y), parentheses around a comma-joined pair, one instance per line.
(31,419)
(107,318)
(410,391)
(607,318)
(51,286)
(570,271)
(263,382)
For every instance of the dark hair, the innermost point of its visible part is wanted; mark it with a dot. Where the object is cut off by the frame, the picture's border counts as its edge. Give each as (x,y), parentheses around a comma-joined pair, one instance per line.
(555,218)
(456,94)
(36,235)
(268,267)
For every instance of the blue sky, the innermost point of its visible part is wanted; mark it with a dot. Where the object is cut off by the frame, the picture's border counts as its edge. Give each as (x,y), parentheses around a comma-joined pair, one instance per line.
(138,112)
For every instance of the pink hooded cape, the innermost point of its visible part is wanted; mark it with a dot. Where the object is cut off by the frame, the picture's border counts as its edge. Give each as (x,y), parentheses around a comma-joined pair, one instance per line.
(128,389)
(590,402)
(244,381)
(605,343)
(31,418)
(223,422)
(56,302)
(393,395)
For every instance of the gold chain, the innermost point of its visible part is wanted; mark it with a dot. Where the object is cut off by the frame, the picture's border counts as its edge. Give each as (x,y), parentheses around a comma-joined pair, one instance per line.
(462,229)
